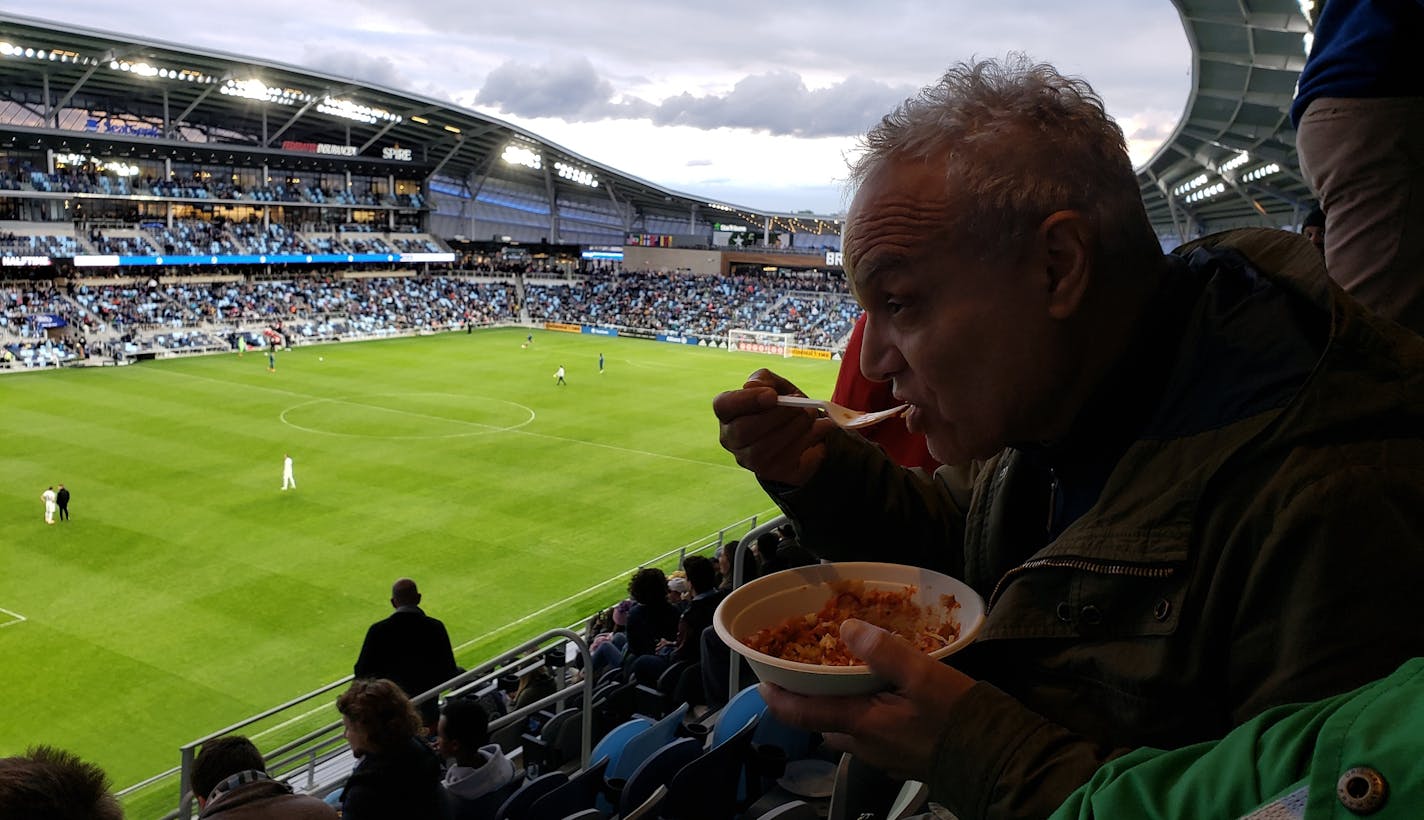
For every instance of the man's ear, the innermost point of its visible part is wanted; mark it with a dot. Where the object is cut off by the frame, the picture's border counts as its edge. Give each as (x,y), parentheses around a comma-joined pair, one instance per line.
(1066,241)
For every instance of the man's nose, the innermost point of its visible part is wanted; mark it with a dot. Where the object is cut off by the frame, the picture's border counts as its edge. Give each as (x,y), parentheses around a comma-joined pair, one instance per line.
(880,360)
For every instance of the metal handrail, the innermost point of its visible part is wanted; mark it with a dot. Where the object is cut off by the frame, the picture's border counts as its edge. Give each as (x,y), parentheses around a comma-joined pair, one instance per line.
(734,674)
(471,679)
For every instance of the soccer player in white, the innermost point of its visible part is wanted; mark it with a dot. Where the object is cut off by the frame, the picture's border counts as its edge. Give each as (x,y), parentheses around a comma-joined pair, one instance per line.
(288,480)
(50,504)
(559,376)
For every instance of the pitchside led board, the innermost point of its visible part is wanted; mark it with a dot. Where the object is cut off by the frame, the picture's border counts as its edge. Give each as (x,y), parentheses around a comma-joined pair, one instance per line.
(253,259)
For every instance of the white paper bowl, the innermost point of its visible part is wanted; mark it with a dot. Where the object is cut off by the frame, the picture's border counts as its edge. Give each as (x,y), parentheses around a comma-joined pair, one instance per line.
(771,600)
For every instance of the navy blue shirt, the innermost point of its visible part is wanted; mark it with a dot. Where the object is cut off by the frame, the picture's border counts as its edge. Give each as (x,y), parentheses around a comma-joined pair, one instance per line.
(1362,48)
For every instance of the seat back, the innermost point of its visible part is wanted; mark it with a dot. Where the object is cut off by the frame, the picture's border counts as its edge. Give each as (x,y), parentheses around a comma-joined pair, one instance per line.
(793,810)
(574,796)
(517,806)
(707,788)
(657,771)
(861,789)
(641,746)
(611,745)
(743,708)
(648,808)
(745,705)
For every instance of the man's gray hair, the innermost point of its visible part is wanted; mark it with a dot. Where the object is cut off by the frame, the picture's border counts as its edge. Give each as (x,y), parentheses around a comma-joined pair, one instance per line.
(1020,141)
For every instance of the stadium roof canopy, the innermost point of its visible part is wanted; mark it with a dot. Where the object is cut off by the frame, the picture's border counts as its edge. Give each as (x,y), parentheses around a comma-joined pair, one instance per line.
(210,106)
(1232,160)
(195,105)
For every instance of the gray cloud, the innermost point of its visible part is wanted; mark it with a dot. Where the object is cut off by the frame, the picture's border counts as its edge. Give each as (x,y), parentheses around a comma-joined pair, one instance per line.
(357,65)
(571,90)
(777,102)
(780,103)
(697,163)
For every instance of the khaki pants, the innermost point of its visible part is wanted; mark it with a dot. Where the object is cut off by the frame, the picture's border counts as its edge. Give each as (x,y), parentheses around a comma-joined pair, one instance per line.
(1365,160)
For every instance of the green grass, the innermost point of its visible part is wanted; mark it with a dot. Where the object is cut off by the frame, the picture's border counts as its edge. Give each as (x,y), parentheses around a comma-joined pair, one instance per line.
(188,592)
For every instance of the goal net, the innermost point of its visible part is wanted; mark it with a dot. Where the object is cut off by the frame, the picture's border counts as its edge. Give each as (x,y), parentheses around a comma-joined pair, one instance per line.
(756,341)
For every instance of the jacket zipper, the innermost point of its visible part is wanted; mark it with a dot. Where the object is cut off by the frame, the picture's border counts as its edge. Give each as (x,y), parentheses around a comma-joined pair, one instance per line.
(1101,567)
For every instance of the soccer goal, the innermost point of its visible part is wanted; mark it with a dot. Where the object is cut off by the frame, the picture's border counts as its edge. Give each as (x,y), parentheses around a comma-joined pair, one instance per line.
(756,341)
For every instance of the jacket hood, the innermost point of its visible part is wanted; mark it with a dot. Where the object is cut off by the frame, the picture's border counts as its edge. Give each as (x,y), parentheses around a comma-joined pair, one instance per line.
(494,773)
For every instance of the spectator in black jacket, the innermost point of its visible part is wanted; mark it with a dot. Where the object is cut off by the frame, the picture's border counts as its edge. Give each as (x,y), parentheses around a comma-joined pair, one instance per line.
(702,577)
(410,648)
(398,774)
(651,619)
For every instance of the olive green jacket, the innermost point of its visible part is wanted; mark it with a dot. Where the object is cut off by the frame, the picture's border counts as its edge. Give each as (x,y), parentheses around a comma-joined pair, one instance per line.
(1360,753)
(1257,539)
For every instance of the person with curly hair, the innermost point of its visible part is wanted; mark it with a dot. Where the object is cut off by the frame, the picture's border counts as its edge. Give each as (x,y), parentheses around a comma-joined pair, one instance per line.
(398,774)
(651,618)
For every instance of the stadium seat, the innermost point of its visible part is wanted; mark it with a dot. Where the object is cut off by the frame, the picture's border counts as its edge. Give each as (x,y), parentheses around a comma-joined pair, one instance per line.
(648,809)
(611,745)
(707,788)
(745,705)
(557,741)
(579,793)
(641,746)
(517,806)
(860,789)
(794,810)
(656,772)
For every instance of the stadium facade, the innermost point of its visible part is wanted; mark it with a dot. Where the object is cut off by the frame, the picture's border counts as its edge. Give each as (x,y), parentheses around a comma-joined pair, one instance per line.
(104,134)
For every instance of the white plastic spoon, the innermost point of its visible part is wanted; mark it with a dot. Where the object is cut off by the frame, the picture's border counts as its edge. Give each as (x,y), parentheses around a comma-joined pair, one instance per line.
(843,416)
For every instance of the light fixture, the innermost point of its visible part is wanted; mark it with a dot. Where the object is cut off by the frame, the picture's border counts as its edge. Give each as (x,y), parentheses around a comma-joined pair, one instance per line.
(347,109)
(1191,184)
(575,174)
(519,155)
(1236,162)
(1263,171)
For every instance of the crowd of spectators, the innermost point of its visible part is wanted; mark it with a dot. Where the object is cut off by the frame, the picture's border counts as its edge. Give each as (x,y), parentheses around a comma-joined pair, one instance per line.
(142,315)
(816,308)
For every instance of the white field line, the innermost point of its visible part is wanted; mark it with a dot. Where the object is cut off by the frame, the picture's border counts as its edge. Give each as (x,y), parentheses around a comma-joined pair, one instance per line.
(15,617)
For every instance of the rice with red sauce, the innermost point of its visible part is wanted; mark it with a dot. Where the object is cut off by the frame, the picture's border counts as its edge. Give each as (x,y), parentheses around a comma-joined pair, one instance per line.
(816,637)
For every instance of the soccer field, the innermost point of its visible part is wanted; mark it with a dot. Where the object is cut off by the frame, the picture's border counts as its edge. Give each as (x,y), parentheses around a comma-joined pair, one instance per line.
(188,591)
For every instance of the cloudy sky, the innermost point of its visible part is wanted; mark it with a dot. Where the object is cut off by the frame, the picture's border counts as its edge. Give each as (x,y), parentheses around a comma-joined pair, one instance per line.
(748,102)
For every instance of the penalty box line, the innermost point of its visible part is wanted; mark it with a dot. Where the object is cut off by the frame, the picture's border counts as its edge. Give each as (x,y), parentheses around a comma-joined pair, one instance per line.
(15,618)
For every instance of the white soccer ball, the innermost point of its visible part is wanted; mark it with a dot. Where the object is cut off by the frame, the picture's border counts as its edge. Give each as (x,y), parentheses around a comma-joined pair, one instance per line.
(321,358)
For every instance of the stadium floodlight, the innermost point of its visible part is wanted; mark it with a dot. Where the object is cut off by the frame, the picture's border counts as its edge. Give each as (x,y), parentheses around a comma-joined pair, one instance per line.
(346,109)
(452,129)
(575,174)
(141,68)
(1236,162)
(519,155)
(1190,185)
(1206,193)
(59,55)
(1263,171)
(421,120)
(255,89)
